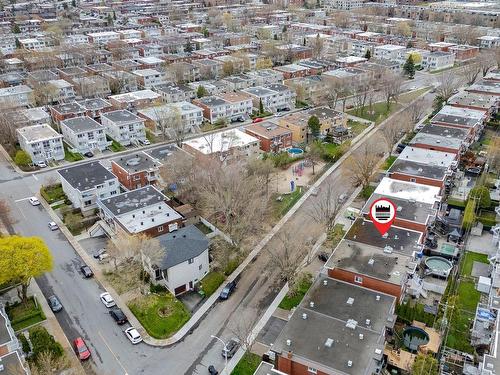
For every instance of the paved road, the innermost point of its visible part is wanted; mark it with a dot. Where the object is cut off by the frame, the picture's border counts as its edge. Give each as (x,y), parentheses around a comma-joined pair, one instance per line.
(84,315)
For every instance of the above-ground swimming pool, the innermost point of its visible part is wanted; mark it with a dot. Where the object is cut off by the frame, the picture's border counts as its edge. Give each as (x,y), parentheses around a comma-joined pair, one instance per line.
(439,266)
(413,337)
(295,151)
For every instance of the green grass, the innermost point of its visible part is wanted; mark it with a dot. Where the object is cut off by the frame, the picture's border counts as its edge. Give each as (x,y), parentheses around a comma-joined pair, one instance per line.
(116,146)
(203,228)
(23,315)
(487,218)
(411,96)
(160,314)
(389,162)
(281,208)
(378,113)
(367,192)
(469,259)
(52,193)
(292,300)
(468,296)
(71,156)
(356,127)
(247,364)
(150,136)
(211,282)
(456,202)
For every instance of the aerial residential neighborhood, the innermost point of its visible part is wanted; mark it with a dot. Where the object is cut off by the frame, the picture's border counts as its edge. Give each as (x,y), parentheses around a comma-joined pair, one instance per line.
(250,187)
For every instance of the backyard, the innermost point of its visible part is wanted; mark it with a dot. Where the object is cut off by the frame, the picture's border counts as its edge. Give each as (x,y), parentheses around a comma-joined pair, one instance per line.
(23,315)
(247,364)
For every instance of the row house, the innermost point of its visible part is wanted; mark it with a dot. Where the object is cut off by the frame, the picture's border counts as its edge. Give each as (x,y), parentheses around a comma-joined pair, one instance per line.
(94,108)
(238,107)
(470,119)
(489,41)
(273,138)
(274,98)
(41,143)
(485,87)
(136,170)
(124,127)
(388,51)
(442,138)
(464,52)
(470,100)
(84,134)
(103,37)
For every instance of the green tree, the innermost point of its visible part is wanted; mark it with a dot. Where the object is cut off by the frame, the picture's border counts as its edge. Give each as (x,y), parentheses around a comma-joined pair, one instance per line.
(314,126)
(16,29)
(205,32)
(368,54)
(469,214)
(201,92)
(18,43)
(482,195)
(261,107)
(109,19)
(188,47)
(23,258)
(425,364)
(22,158)
(409,67)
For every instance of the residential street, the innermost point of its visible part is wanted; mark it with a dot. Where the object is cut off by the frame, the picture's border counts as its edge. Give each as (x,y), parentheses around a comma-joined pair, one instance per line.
(84,315)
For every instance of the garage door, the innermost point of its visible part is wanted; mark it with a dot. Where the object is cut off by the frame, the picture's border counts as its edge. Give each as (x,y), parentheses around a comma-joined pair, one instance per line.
(180,289)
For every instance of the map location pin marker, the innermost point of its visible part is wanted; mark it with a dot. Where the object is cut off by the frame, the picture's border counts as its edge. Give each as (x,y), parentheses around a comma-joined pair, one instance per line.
(382,213)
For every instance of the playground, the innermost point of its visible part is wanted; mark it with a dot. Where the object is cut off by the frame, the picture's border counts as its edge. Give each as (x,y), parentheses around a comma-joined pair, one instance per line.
(299,173)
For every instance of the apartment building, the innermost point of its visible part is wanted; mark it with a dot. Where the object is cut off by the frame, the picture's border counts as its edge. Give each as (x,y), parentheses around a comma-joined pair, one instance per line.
(124,127)
(274,98)
(147,78)
(136,170)
(165,118)
(84,134)
(41,143)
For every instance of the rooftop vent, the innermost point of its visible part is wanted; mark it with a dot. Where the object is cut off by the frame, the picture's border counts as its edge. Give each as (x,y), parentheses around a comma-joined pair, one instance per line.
(371,261)
(350,301)
(367,322)
(377,297)
(325,282)
(311,304)
(329,342)
(388,249)
(304,316)
(361,336)
(288,342)
(349,363)
(351,323)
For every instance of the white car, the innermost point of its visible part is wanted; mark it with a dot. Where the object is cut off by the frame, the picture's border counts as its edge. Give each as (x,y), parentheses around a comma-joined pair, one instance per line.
(53,225)
(107,299)
(34,201)
(41,164)
(133,335)
(145,142)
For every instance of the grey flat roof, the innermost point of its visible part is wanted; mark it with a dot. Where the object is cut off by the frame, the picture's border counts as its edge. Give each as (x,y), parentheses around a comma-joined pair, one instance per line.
(212,101)
(82,124)
(324,113)
(12,364)
(455,120)
(401,240)
(328,320)
(86,176)
(122,116)
(445,131)
(411,168)
(181,245)
(163,153)
(137,162)
(65,108)
(94,104)
(133,200)
(436,140)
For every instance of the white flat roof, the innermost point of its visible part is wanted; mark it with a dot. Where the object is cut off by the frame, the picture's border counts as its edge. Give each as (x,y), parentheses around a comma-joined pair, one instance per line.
(408,190)
(221,142)
(428,157)
(462,112)
(148,217)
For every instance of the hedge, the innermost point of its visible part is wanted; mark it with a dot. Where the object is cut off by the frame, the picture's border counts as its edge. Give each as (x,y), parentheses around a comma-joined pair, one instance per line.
(43,341)
(469,214)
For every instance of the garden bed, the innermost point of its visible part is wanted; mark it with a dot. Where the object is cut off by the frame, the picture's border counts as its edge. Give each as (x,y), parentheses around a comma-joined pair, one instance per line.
(52,193)
(23,315)
(211,282)
(247,364)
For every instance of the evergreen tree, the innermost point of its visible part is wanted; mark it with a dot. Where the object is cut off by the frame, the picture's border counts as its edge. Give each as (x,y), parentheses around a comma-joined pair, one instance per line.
(201,92)
(189,47)
(368,54)
(409,67)
(314,125)
(16,29)
(261,107)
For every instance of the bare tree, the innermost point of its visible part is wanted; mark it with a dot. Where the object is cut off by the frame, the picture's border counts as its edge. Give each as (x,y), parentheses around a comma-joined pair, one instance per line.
(395,128)
(263,169)
(448,83)
(486,61)
(317,46)
(417,110)
(391,87)
(243,332)
(361,165)
(47,363)
(470,72)
(326,207)
(5,213)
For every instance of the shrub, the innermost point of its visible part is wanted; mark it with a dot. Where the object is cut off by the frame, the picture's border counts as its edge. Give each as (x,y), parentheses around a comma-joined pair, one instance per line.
(469,214)
(22,158)
(144,276)
(157,288)
(231,266)
(43,341)
(482,194)
(24,343)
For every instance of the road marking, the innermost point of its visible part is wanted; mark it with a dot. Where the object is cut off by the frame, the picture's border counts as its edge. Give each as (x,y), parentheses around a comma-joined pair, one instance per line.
(35,177)
(22,199)
(107,346)
(21,211)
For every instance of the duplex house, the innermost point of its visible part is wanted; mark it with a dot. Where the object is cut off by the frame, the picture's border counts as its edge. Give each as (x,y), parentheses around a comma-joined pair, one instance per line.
(338,328)
(136,170)
(147,78)
(471,119)
(16,96)
(273,138)
(185,261)
(144,210)
(84,134)
(92,87)
(84,184)
(124,127)
(135,99)
(10,358)
(103,37)
(95,107)
(61,90)
(438,60)
(329,119)
(65,111)
(274,98)
(173,93)
(227,107)
(41,142)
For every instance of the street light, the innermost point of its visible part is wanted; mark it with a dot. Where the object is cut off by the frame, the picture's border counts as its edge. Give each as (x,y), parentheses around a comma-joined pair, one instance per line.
(224,349)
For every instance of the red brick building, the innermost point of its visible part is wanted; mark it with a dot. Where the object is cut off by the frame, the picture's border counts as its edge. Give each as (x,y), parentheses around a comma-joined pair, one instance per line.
(135,170)
(273,138)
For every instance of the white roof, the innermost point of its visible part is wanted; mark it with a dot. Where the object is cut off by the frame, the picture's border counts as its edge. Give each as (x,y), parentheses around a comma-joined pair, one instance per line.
(38,133)
(462,112)
(221,142)
(350,59)
(428,157)
(390,47)
(408,190)
(148,217)
(60,83)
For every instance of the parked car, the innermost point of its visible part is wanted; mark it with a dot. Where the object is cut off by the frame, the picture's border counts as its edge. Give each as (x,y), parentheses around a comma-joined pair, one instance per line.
(256,120)
(54,303)
(81,349)
(227,290)
(103,258)
(107,300)
(118,316)
(231,348)
(86,271)
(98,253)
(315,191)
(342,198)
(212,370)
(53,226)
(323,256)
(400,147)
(34,201)
(89,154)
(145,142)
(474,171)
(41,164)
(133,335)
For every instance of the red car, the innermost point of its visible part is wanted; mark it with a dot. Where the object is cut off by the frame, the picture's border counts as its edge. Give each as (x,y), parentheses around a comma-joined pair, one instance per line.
(81,349)
(258,119)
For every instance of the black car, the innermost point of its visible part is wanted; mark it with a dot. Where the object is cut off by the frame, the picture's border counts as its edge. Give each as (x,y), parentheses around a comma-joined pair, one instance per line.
(323,256)
(89,154)
(212,370)
(231,348)
(86,271)
(228,289)
(54,303)
(400,147)
(98,253)
(118,316)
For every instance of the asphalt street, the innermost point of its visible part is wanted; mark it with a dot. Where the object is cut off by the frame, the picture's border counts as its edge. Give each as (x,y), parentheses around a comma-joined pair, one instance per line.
(84,315)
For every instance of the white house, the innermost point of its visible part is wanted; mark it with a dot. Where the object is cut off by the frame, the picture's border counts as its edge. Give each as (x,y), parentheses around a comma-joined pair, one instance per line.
(103,37)
(83,184)
(124,127)
(41,142)
(84,134)
(274,97)
(147,78)
(16,96)
(388,51)
(62,90)
(185,261)
(230,107)
(438,60)
(489,41)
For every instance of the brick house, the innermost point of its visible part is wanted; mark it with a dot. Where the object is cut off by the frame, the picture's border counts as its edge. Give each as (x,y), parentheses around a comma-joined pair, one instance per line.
(273,138)
(66,111)
(135,170)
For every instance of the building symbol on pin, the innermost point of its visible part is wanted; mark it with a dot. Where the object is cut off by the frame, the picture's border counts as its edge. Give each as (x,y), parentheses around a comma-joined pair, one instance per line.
(382,214)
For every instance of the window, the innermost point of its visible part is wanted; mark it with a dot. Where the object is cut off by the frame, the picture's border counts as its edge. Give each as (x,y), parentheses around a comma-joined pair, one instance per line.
(358,279)
(157,274)
(312,370)
(191,261)
(160,228)
(413,180)
(200,267)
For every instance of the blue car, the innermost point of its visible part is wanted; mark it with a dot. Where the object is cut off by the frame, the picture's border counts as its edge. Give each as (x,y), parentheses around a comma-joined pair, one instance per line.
(228,289)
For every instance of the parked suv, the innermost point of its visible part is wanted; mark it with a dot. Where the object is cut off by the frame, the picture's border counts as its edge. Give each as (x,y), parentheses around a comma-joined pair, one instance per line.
(231,348)
(118,316)
(228,290)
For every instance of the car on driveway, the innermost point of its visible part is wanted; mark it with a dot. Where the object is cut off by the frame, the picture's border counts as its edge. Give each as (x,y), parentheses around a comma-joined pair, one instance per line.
(107,299)
(34,201)
(98,253)
(86,271)
(81,349)
(41,164)
(89,154)
(145,142)
(133,335)
(54,303)
(53,225)
(118,315)
(212,370)
(227,290)
(231,348)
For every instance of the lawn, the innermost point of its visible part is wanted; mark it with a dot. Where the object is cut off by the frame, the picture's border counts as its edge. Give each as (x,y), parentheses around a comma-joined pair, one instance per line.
(203,228)
(378,113)
(456,202)
(116,146)
(281,208)
(247,364)
(468,261)
(150,136)
(52,193)
(411,96)
(367,192)
(468,296)
(211,282)
(23,315)
(487,218)
(125,278)
(389,162)
(292,300)
(160,314)
(71,156)
(356,127)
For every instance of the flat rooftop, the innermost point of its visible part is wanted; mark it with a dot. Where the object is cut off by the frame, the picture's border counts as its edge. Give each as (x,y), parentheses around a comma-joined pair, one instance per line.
(267,129)
(137,162)
(221,142)
(400,240)
(82,124)
(36,133)
(445,131)
(133,200)
(437,141)
(412,168)
(122,117)
(410,191)
(428,157)
(86,176)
